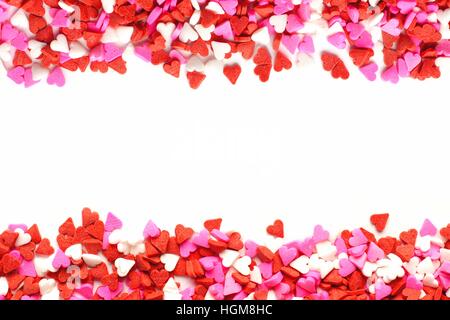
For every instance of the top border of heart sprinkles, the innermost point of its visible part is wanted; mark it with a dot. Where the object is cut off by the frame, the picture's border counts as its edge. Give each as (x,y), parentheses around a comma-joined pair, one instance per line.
(41,38)
(103,261)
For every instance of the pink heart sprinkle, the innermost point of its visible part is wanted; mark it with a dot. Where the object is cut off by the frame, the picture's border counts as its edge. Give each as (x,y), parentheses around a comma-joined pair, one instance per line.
(112,223)
(346,267)
(250,248)
(27,269)
(217,273)
(340,246)
(143,52)
(374,253)
(16,74)
(151,230)
(369,71)
(208,263)
(412,60)
(355,30)
(320,234)
(402,68)
(353,14)
(291,42)
(60,260)
(111,52)
(390,74)
(391,27)
(357,251)
(217,291)
(308,284)
(307,45)
(287,255)
(229,6)
(20,42)
(224,30)
(413,283)
(8,32)
(186,248)
(382,290)
(337,39)
(231,286)
(266,269)
(274,280)
(406,6)
(56,77)
(428,229)
(201,239)
(293,23)
(359,261)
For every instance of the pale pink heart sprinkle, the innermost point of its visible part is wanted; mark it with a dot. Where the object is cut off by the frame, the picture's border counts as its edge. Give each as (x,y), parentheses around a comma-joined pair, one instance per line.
(250,248)
(186,248)
(412,60)
(14,227)
(320,234)
(217,291)
(175,54)
(187,294)
(353,14)
(287,255)
(346,267)
(391,27)
(308,284)
(357,251)
(390,74)
(154,15)
(229,6)
(369,71)
(231,286)
(219,235)
(290,42)
(151,230)
(428,228)
(216,273)
(143,52)
(402,68)
(359,261)
(338,40)
(111,52)
(208,263)
(294,23)
(307,45)
(374,253)
(266,269)
(355,30)
(406,6)
(224,30)
(56,77)
(274,280)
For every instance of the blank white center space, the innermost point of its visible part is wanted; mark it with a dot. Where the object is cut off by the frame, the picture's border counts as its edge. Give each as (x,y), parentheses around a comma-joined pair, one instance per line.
(303,147)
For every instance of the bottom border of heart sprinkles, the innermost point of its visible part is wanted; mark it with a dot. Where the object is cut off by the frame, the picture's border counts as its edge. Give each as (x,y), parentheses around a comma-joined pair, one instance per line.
(101,261)
(41,38)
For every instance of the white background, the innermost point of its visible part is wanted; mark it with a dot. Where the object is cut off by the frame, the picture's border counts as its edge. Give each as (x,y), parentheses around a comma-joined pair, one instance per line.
(303,147)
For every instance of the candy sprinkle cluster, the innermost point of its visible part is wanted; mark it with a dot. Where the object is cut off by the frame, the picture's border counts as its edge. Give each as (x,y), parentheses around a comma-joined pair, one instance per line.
(41,38)
(100,260)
